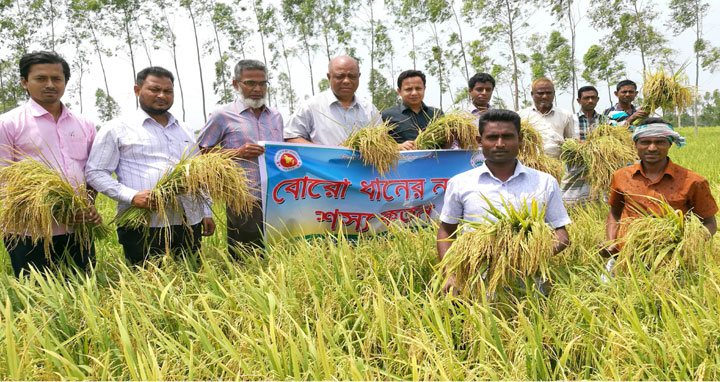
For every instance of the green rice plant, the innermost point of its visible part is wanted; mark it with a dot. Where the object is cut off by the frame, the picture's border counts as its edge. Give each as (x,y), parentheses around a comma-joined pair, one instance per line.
(666,91)
(663,241)
(532,153)
(515,242)
(606,150)
(34,197)
(451,127)
(376,146)
(213,175)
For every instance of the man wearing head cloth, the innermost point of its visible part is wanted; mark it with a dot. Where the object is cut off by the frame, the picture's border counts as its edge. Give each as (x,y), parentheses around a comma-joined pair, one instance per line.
(657,177)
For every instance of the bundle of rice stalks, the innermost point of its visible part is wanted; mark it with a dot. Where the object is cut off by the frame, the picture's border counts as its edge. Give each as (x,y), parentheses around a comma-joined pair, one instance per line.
(376,147)
(663,242)
(517,244)
(454,126)
(34,196)
(532,153)
(661,90)
(606,150)
(214,175)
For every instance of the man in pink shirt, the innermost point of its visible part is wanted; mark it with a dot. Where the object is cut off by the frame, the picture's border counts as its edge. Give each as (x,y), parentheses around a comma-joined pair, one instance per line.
(44,129)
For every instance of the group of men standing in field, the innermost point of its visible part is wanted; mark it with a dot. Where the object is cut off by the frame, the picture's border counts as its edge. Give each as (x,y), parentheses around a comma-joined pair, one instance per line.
(139,147)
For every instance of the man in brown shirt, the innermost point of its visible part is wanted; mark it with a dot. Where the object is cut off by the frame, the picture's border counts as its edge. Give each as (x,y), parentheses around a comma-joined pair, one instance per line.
(656,176)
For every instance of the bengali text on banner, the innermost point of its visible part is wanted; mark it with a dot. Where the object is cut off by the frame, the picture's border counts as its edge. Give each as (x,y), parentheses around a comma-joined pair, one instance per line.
(310,189)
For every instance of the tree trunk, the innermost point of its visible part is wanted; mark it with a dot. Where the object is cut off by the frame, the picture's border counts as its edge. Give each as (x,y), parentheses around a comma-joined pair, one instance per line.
(52,26)
(441,78)
(287,68)
(174,57)
(262,42)
(573,26)
(2,86)
(220,55)
(142,38)
(414,54)
(99,53)
(641,46)
(511,37)
(462,44)
(697,66)
(130,48)
(80,99)
(197,49)
(307,51)
(372,50)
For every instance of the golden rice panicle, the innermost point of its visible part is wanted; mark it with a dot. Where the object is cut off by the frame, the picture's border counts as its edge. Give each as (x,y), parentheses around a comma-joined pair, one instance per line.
(376,147)
(667,91)
(216,174)
(34,197)
(570,152)
(621,133)
(663,242)
(516,244)
(532,153)
(605,155)
(457,126)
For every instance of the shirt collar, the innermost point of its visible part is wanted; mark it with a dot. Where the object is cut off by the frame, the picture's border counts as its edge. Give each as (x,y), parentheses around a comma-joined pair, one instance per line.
(241,107)
(519,169)
(38,111)
(141,116)
(331,99)
(671,170)
(472,109)
(404,107)
(552,110)
(582,115)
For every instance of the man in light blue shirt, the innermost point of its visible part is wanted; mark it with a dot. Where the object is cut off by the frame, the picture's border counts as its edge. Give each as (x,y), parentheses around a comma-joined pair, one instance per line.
(331,116)
(139,149)
(501,177)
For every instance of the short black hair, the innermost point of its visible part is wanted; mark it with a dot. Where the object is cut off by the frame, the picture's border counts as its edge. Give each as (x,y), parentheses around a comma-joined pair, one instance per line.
(650,120)
(156,71)
(587,88)
(408,74)
(480,77)
(626,83)
(498,115)
(42,57)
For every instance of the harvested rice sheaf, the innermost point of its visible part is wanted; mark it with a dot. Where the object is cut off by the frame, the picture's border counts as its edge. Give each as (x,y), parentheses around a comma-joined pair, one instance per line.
(607,149)
(376,147)
(34,197)
(663,242)
(214,175)
(454,126)
(518,244)
(666,91)
(532,153)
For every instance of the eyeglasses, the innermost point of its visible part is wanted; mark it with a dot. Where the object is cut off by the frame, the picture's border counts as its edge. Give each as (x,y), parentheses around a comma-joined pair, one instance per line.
(340,77)
(252,84)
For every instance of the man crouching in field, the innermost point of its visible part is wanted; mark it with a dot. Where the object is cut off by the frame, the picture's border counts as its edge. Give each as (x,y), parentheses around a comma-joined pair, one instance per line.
(46,130)
(501,177)
(656,177)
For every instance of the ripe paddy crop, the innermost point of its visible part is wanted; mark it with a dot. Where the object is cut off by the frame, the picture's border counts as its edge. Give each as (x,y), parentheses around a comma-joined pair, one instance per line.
(329,308)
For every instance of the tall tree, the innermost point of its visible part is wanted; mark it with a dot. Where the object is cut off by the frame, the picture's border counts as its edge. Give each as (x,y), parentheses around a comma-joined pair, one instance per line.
(506,19)
(559,62)
(192,7)
(601,64)
(265,18)
(164,34)
(122,15)
(301,17)
(437,13)
(630,26)
(282,53)
(689,14)
(222,18)
(408,16)
(563,10)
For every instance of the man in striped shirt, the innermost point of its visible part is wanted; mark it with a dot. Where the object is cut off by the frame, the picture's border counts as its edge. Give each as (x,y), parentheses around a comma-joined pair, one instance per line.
(139,148)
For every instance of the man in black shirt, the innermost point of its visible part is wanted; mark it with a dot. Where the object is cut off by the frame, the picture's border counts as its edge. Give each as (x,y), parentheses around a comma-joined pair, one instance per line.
(412,115)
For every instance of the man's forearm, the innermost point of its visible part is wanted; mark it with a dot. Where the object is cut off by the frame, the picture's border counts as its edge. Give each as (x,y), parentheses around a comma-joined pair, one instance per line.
(297,140)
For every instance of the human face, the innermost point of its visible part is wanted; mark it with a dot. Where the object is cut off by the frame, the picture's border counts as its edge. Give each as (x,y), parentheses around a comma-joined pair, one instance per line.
(588,100)
(652,150)
(543,95)
(500,142)
(344,77)
(481,94)
(412,91)
(252,85)
(626,94)
(45,83)
(155,95)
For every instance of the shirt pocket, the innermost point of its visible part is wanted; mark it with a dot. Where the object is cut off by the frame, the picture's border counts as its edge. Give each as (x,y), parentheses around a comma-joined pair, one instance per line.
(76,145)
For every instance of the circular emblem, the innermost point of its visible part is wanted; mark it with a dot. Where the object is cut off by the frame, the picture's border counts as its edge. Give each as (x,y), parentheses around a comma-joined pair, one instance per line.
(477,159)
(287,160)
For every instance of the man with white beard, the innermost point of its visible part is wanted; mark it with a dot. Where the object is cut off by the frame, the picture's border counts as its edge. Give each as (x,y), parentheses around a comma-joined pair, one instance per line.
(237,127)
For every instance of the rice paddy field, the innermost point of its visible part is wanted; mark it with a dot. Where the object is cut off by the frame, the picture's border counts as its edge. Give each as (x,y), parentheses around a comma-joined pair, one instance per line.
(366,310)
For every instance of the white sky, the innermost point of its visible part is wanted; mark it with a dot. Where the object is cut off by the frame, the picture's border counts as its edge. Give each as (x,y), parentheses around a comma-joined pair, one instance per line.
(120,72)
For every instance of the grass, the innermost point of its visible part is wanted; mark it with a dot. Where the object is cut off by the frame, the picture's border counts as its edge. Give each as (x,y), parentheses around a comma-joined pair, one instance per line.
(370,309)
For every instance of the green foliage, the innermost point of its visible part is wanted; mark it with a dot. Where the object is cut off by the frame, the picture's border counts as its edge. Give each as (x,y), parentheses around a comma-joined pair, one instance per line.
(106,106)
(384,95)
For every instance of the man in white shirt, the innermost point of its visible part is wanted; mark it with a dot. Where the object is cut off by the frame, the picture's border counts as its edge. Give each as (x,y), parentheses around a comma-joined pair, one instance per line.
(331,116)
(553,124)
(139,149)
(501,177)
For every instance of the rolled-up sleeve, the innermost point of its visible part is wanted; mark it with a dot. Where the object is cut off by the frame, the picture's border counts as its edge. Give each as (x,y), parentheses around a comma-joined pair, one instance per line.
(452,206)
(555,213)
(300,124)
(102,163)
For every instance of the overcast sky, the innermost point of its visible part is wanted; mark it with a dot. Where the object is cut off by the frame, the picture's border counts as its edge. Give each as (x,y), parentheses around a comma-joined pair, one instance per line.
(120,72)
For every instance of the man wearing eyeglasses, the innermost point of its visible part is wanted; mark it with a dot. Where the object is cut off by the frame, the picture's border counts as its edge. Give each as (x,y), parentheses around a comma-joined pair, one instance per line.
(237,127)
(331,116)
